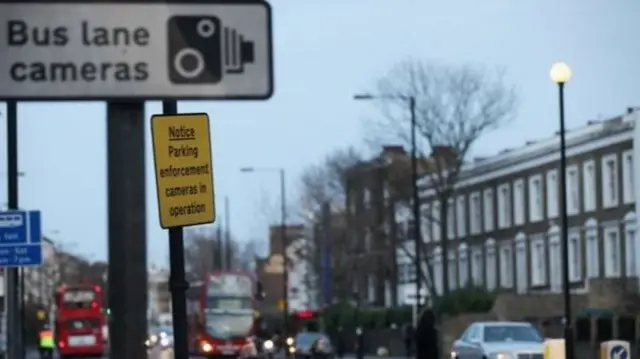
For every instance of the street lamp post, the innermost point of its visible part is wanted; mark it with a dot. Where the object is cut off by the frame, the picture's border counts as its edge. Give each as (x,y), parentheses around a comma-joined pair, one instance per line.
(283,236)
(560,74)
(417,234)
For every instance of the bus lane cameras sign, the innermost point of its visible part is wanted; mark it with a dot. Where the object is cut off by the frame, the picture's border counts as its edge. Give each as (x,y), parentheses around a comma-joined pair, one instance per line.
(184,169)
(102,51)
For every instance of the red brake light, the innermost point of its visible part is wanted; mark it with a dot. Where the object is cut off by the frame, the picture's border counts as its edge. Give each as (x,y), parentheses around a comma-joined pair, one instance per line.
(305,314)
(97,289)
(94,305)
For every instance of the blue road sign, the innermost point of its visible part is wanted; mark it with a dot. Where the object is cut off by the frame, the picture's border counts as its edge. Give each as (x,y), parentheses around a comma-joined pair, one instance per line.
(619,352)
(20,239)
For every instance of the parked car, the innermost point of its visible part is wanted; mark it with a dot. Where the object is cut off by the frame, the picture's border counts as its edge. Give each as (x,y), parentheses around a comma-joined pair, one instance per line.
(313,345)
(499,340)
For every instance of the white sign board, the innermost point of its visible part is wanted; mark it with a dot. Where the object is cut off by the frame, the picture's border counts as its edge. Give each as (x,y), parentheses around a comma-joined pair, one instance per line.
(102,51)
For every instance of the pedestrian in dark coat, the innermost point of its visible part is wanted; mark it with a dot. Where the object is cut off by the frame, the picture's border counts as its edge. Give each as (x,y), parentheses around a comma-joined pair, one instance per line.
(427,336)
(340,343)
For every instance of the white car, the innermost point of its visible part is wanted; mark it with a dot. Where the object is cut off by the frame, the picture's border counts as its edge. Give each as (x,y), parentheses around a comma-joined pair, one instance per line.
(499,340)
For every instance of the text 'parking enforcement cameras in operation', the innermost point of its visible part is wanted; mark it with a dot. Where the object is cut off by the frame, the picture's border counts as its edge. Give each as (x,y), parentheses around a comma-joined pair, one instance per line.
(202,50)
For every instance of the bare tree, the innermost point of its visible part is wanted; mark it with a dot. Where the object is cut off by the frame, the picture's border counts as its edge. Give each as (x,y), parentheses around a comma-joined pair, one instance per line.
(325,184)
(454,107)
(205,250)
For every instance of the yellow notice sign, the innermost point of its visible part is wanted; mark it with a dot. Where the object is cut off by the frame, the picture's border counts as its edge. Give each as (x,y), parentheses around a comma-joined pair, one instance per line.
(184,169)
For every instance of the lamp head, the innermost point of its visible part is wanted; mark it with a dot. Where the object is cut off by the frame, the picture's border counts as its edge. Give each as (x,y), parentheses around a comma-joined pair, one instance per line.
(560,73)
(363,96)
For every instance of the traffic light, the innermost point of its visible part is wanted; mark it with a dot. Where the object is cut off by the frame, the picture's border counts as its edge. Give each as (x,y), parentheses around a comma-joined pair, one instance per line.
(42,314)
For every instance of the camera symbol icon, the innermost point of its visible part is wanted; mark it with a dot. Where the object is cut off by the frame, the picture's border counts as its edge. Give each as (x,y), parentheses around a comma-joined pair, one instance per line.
(201,50)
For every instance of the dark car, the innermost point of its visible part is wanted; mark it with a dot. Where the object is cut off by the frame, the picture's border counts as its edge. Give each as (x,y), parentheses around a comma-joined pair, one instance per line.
(313,345)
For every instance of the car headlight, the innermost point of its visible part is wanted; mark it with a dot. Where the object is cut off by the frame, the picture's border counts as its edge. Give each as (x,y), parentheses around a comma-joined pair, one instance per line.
(289,341)
(268,344)
(164,342)
(292,350)
(206,347)
(153,339)
(501,356)
(147,342)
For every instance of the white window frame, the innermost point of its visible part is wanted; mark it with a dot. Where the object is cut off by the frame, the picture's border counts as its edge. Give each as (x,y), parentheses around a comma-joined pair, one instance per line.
(367,197)
(632,247)
(612,251)
(575,256)
(521,264)
(475,213)
(453,269)
(461,219)
(488,201)
(451,219)
(435,223)
(490,259)
(552,197)
(592,250)
(518,202)
(504,206)
(463,265)
(538,261)
(628,182)
(555,259)
(573,190)
(367,239)
(371,288)
(610,181)
(506,265)
(477,265)
(536,200)
(589,184)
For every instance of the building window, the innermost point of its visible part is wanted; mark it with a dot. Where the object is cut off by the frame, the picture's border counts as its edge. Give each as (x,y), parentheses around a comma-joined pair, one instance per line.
(475,213)
(573,190)
(461,220)
(538,261)
(491,263)
(367,197)
(535,199)
(504,206)
(367,239)
(463,265)
(627,171)
(451,219)
(488,210)
(506,266)
(521,263)
(425,223)
(611,252)
(575,256)
(437,268)
(453,273)
(476,266)
(592,250)
(518,202)
(631,245)
(411,229)
(610,181)
(589,185)
(552,194)
(371,288)
(435,224)
(555,262)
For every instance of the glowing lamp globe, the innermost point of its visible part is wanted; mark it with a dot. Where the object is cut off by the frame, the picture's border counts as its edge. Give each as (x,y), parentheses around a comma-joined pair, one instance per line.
(560,73)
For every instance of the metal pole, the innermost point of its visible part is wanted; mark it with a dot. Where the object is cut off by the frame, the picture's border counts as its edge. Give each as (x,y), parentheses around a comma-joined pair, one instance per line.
(417,237)
(227,236)
(127,228)
(568,331)
(283,233)
(178,284)
(14,331)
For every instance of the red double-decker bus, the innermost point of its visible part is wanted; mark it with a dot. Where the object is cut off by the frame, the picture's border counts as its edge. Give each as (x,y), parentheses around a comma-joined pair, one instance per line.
(223,317)
(80,320)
